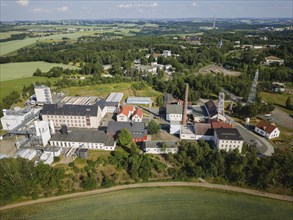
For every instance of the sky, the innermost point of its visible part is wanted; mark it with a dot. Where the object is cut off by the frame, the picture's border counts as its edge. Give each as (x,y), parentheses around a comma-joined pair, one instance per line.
(12,10)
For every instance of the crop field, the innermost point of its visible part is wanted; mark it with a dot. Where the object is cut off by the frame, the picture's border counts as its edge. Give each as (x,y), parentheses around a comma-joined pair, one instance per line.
(9,47)
(4,35)
(158,203)
(17,85)
(12,71)
(105,89)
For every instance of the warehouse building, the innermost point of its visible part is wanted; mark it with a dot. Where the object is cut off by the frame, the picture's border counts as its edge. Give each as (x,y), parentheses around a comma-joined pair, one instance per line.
(139,100)
(114,97)
(83,138)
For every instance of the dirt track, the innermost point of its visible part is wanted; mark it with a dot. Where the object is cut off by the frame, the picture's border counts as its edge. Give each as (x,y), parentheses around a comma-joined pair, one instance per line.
(155,184)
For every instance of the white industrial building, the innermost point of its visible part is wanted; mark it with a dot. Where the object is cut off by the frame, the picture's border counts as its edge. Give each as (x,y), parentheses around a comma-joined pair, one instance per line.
(26,153)
(13,118)
(228,139)
(174,112)
(81,116)
(155,147)
(83,138)
(267,130)
(43,94)
(175,127)
(187,132)
(47,158)
(139,100)
(114,97)
(42,132)
(79,100)
(203,131)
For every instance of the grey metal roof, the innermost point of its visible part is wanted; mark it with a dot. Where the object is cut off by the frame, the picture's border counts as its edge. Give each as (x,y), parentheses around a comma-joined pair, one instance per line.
(114,97)
(84,135)
(103,103)
(137,129)
(138,100)
(174,109)
(203,129)
(211,108)
(158,144)
(228,134)
(76,110)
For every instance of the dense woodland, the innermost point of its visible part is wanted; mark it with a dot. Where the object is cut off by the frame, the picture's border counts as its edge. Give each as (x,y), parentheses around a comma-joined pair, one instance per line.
(21,179)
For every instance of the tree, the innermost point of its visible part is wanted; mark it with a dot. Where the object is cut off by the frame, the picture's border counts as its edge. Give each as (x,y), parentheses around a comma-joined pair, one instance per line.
(153,127)
(124,137)
(289,103)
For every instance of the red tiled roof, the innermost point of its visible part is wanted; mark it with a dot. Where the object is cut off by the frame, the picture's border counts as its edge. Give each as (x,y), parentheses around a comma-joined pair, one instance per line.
(138,112)
(219,124)
(126,109)
(266,126)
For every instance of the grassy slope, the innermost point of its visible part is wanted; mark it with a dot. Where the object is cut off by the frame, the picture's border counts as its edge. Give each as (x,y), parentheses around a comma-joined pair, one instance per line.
(104,90)
(278,99)
(158,203)
(12,71)
(17,85)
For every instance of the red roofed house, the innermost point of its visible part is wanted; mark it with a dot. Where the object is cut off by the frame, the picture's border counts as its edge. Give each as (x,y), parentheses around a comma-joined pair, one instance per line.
(130,113)
(137,115)
(267,130)
(125,112)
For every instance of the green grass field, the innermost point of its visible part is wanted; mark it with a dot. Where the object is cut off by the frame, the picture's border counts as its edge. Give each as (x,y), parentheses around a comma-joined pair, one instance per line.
(158,203)
(105,89)
(278,99)
(7,48)
(17,84)
(12,71)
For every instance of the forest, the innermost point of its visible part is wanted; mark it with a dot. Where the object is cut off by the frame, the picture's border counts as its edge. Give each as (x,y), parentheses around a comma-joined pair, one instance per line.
(21,179)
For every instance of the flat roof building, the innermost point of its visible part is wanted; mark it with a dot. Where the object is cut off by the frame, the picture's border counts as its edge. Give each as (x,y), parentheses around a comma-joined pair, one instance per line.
(138,100)
(82,100)
(155,147)
(228,139)
(114,97)
(84,138)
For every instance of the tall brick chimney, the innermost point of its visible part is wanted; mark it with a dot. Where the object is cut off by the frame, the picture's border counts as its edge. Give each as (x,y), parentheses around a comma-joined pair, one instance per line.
(184,113)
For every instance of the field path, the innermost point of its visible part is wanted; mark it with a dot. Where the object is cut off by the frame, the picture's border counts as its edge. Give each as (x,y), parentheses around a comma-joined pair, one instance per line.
(154,184)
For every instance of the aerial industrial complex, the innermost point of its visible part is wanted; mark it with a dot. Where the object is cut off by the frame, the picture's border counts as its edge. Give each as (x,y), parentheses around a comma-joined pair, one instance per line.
(69,124)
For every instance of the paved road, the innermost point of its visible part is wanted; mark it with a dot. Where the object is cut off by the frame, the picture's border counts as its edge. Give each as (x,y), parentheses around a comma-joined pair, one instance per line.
(263,146)
(153,184)
(282,118)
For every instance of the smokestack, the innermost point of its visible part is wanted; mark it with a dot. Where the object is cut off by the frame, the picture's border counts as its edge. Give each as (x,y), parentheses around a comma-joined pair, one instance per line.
(184,114)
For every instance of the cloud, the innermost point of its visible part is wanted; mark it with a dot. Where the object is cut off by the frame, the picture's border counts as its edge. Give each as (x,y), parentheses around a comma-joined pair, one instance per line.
(41,10)
(63,8)
(22,2)
(126,6)
(194,4)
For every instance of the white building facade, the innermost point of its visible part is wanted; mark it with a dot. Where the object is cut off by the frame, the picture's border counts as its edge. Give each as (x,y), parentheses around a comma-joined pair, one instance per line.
(43,94)
(228,139)
(267,130)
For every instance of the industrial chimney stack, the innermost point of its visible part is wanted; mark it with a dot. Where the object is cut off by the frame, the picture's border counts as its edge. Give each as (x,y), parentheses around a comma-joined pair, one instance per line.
(184,115)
